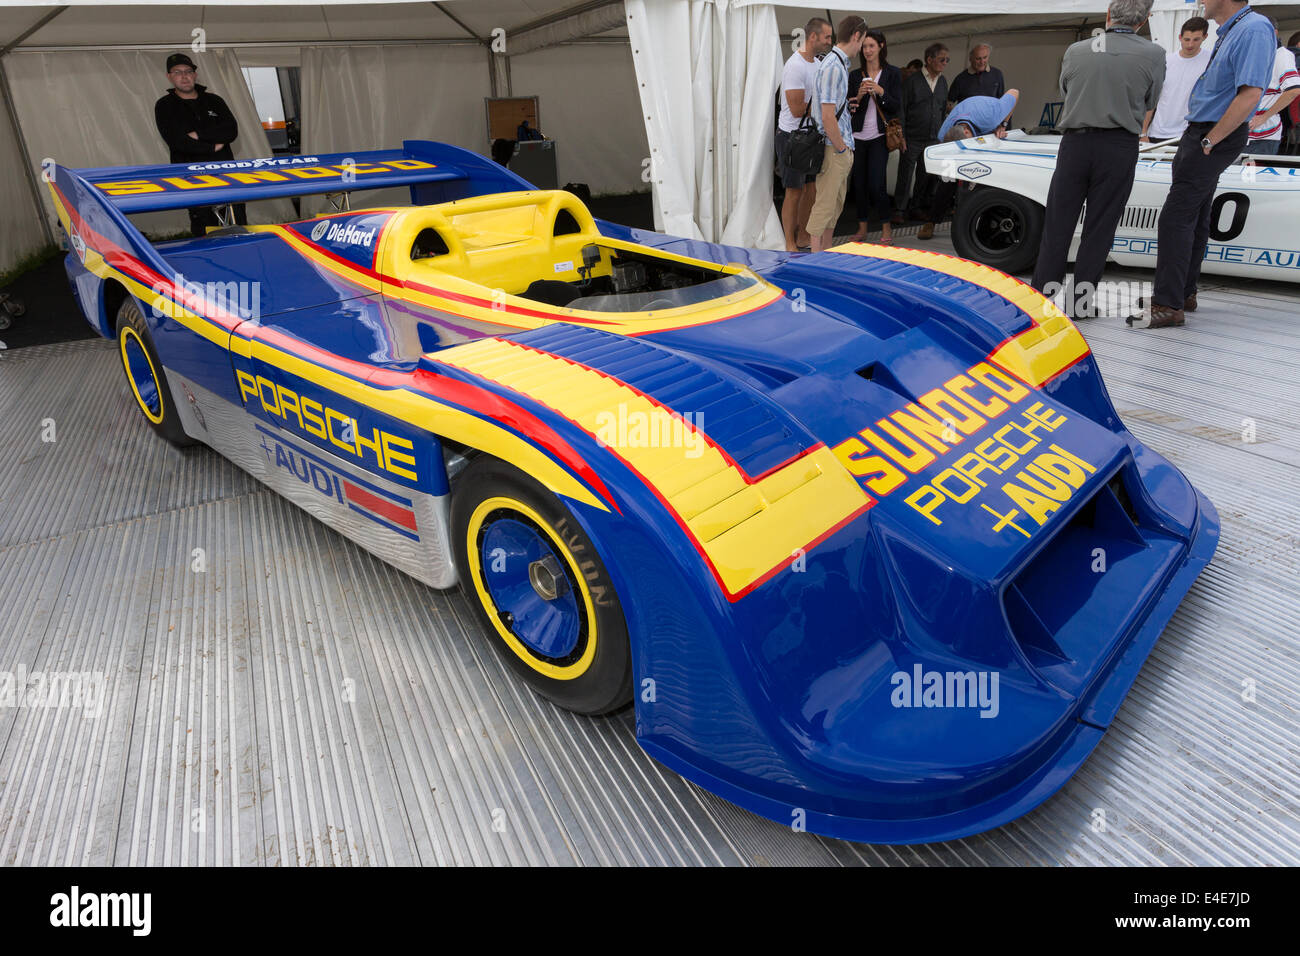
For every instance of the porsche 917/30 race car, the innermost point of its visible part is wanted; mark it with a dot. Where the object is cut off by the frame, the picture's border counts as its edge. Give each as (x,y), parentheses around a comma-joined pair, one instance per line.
(1000,221)
(859,533)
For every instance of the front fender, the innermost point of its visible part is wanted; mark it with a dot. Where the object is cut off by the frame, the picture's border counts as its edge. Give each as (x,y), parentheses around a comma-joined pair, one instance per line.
(1009,164)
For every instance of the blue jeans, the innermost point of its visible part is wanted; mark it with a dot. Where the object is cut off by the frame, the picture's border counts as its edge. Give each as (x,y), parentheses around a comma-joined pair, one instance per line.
(1263,147)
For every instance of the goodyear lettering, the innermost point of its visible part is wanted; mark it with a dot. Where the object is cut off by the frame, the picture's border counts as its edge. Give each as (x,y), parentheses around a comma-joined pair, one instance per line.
(374,448)
(217,177)
(257,163)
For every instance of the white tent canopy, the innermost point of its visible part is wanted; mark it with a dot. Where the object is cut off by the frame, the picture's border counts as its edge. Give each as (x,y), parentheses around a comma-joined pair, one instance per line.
(78,82)
(701,95)
(676,93)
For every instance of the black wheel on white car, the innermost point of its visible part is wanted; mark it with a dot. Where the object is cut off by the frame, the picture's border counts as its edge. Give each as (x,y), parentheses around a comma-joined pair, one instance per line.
(999,229)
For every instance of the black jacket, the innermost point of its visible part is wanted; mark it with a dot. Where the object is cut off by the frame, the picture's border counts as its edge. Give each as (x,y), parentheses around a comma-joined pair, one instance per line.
(922,110)
(207,115)
(968,84)
(891,78)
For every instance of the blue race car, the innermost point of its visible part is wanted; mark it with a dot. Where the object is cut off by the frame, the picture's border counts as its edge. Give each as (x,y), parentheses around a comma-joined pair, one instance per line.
(859,533)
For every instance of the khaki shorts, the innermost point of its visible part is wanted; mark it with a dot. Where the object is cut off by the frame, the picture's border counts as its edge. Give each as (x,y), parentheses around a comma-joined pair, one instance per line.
(832,187)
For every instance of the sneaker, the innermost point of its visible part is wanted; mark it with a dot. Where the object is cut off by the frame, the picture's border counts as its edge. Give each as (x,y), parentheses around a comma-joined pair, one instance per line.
(1156,317)
(926,231)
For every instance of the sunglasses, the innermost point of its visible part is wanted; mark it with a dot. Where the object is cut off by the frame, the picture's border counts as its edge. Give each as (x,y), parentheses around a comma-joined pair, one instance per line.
(183,72)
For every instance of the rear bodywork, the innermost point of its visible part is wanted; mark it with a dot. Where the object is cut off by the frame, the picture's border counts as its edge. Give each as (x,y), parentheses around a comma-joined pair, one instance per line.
(889,570)
(1255,208)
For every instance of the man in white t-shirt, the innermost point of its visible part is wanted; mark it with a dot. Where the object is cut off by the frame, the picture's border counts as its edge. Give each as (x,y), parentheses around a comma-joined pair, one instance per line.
(1183,67)
(797,82)
(1283,87)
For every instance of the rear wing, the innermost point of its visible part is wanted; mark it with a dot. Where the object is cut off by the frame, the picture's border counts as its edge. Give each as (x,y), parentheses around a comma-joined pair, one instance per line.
(93,204)
(435,172)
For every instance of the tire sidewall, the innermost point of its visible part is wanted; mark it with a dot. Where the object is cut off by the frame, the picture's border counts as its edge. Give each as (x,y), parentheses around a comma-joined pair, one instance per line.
(1019,259)
(130,315)
(606,683)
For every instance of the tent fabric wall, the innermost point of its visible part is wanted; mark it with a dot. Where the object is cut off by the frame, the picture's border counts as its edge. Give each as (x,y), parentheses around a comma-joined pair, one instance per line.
(373,97)
(20,227)
(929,8)
(597,125)
(1031,63)
(95,108)
(708,74)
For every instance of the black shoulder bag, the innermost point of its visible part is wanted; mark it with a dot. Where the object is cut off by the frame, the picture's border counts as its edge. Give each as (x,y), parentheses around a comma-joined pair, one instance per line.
(806,147)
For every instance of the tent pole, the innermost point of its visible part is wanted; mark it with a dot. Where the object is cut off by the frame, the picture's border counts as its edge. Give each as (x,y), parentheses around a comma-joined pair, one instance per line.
(486,44)
(22,147)
(12,110)
(30,30)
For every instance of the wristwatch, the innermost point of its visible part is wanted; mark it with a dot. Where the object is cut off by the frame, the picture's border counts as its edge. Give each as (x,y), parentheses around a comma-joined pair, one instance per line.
(1205,143)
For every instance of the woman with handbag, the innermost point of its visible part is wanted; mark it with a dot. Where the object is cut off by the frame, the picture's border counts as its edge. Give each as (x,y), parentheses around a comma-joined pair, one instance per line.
(878,89)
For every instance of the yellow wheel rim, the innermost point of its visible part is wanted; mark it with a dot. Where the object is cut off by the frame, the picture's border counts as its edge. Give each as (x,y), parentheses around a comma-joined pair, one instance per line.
(129,339)
(476,525)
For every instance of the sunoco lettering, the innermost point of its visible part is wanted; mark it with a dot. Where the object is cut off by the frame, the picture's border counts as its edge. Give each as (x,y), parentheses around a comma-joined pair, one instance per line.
(300,168)
(913,438)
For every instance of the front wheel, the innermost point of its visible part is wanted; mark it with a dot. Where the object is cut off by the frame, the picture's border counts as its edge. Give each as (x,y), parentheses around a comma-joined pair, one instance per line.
(540,590)
(999,229)
(145,375)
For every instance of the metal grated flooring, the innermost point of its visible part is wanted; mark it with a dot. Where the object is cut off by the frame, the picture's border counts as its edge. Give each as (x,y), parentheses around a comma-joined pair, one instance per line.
(298,702)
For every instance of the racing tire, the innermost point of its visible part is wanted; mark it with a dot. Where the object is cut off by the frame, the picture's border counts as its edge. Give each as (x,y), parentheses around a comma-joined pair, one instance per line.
(999,229)
(540,589)
(145,376)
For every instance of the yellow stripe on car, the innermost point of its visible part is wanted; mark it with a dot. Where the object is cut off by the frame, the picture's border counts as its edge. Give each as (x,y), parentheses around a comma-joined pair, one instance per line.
(1038,354)
(747,530)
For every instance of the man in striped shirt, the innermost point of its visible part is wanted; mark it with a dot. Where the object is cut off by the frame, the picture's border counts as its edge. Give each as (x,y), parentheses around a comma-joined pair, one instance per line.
(1283,87)
(834,119)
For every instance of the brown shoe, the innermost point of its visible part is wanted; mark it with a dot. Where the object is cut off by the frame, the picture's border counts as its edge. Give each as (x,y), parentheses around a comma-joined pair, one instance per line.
(926,231)
(1156,317)
(896,219)
(1189,304)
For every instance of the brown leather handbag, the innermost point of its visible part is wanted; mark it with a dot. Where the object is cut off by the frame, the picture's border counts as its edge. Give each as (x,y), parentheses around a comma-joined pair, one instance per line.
(894,138)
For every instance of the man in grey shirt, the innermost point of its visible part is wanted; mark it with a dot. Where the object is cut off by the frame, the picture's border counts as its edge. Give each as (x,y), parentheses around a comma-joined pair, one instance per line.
(1110,81)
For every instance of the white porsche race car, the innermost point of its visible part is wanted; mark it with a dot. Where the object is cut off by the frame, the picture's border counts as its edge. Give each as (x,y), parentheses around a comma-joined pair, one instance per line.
(1255,229)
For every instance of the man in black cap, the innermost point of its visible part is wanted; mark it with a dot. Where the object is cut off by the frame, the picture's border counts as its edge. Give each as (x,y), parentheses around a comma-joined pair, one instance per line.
(196,125)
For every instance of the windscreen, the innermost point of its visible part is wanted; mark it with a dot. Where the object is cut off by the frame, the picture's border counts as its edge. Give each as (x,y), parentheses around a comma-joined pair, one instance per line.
(657,300)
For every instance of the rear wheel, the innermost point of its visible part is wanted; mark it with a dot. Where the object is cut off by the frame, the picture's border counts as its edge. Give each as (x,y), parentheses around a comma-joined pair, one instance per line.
(540,589)
(999,229)
(145,376)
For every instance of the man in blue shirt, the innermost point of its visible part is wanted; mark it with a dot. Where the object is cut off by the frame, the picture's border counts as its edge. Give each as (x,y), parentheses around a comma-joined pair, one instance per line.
(1222,100)
(980,115)
(973,116)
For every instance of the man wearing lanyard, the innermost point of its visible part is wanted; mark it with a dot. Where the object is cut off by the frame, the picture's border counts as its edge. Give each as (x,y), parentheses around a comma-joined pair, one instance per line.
(1224,98)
